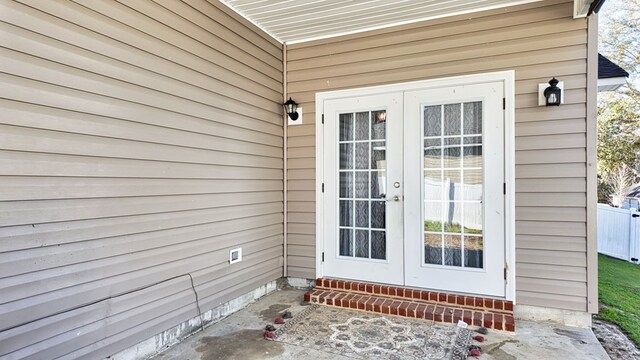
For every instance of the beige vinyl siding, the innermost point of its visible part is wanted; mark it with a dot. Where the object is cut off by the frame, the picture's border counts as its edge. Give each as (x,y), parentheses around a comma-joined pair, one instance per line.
(538,41)
(139,142)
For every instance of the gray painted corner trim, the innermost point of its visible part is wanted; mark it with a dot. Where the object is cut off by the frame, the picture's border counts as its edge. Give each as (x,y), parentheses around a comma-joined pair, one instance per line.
(591,161)
(174,335)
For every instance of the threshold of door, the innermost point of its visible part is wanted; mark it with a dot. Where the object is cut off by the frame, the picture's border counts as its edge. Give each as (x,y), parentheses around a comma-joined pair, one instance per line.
(420,304)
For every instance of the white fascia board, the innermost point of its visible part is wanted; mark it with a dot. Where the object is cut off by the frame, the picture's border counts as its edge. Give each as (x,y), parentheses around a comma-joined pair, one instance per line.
(611,84)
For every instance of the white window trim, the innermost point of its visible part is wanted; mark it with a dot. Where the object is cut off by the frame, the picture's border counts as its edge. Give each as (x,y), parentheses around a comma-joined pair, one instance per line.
(508,78)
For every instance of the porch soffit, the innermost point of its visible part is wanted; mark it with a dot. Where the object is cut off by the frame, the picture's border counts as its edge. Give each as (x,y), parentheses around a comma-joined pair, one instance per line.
(295,21)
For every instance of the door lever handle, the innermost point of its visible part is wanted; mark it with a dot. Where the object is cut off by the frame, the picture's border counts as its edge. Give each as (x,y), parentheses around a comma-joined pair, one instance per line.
(395,198)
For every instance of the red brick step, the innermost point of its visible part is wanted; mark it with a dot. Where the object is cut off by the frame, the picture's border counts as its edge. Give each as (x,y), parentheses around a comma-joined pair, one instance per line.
(429,305)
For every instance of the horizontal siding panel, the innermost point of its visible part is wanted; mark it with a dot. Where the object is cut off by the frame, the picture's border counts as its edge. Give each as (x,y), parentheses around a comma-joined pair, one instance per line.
(554,243)
(308,262)
(42,164)
(50,96)
(195,26)
(142,141)
(26,261)
(15,138)
(573,155)
(303,206)
(183,79)
(559,287)
(41,70)
(561,185)
(551,199)
(38,306)
(301,272)
(298,250)
(557,214)
(118,20)
(58,233)
(39,187)
(14,339)
(551,257)
(535,271)
(417,69)
(67,24)
(551,228)
(298,228)
(544,142)
(199,134)
(564,302)
(405,58)
(553,127)
(481,37)
(224,18)
(301,239)
(301,217)
(302,196)
(301,185)
(37,212)
(551,170)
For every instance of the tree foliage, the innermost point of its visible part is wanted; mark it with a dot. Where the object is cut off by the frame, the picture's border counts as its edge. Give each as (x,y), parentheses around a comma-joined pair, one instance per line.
(619,112)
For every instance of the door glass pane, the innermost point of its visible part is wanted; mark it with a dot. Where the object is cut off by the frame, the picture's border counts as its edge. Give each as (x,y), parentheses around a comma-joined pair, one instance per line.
(453,165)
(362,213)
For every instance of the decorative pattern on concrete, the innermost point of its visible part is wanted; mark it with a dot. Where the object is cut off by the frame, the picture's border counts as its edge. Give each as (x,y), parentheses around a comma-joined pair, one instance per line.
(369,336)
(433,306)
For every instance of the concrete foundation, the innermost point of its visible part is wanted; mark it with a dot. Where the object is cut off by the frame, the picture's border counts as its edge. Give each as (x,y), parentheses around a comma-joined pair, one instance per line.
(564,317)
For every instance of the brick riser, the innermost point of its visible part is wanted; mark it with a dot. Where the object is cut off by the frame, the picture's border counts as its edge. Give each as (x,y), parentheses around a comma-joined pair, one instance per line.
(420,304)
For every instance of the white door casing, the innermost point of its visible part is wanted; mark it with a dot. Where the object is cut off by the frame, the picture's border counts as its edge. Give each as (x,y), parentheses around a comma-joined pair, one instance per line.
(411,213)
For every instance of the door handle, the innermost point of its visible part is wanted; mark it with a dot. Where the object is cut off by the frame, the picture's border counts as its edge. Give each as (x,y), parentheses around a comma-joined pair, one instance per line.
(395,198)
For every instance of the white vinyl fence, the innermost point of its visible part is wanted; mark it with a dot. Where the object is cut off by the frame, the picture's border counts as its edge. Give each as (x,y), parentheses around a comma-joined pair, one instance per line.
(619,232)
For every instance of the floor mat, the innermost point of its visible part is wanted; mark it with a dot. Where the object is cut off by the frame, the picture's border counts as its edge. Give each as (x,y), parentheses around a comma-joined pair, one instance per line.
(364,335)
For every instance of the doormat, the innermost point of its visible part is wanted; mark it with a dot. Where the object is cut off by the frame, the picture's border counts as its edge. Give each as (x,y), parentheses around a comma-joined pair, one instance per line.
(361,335)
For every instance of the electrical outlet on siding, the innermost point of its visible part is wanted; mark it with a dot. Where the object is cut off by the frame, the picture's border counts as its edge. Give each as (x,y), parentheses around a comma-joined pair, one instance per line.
(235,255)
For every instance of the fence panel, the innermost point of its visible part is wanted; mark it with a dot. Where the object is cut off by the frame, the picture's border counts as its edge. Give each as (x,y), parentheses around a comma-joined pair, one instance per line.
(614,230)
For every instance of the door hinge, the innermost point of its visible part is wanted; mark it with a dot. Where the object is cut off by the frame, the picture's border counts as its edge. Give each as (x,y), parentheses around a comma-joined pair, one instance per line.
(505,273)
(323,256)
(322,187)
(635,215)
(323,118)
(504,103)
(504,188)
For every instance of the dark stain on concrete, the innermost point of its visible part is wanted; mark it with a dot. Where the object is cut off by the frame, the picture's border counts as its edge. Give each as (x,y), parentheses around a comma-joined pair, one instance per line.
(572,334)
(241,345)
(497,353)
(273,312)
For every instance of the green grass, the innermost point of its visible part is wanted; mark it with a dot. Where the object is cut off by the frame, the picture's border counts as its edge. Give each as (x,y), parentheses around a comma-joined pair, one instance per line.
(436,226)
(619,292)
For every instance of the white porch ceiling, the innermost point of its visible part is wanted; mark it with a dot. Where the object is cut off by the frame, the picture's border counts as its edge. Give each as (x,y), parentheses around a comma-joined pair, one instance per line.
(293,21)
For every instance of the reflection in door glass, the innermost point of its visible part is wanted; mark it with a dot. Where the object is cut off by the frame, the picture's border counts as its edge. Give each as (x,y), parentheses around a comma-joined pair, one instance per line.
(453,163)
(362,176)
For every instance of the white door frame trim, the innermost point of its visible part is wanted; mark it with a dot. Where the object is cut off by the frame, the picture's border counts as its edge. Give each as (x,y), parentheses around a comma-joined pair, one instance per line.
(508,78)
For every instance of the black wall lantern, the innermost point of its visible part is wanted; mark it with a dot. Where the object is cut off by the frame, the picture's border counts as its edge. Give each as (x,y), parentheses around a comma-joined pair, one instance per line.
(553,93)
(291,107)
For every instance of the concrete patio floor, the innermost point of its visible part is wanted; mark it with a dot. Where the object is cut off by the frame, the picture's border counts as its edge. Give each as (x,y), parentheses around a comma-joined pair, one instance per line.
(239,337)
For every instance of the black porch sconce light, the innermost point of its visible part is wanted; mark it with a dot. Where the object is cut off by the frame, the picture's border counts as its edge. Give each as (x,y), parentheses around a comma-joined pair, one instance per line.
(291,108)
(553,94)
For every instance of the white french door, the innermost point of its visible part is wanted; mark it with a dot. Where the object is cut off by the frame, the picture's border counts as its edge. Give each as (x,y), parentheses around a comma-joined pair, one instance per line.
(413,188)
(454,164)
(363,173)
